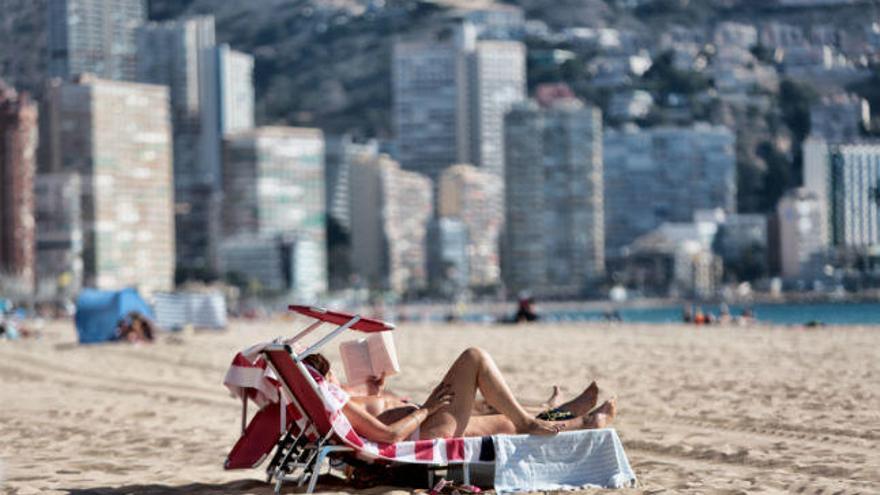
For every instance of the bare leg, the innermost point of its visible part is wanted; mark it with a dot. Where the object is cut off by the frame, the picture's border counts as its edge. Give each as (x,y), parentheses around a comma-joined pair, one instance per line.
(496,423)
(475,370)
(482,408)
(583,403)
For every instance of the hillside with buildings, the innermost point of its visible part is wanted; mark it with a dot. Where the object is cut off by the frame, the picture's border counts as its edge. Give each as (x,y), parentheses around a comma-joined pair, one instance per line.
(423,148)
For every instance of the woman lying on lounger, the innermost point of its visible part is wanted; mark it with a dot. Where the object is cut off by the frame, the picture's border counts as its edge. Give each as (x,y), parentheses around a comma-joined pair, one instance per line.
(448,411)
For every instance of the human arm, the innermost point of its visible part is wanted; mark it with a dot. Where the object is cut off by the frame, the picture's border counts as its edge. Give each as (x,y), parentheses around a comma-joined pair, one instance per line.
(371,428)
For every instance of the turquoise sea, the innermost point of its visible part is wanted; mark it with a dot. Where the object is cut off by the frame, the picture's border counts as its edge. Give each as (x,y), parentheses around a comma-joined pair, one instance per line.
(837,313)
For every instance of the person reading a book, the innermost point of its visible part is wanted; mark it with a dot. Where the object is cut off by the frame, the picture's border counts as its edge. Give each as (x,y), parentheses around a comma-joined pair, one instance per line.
(448,410)
(368,361)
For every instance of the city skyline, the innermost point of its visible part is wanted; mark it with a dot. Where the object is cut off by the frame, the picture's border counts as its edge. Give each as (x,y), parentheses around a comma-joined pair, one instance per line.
(613,189)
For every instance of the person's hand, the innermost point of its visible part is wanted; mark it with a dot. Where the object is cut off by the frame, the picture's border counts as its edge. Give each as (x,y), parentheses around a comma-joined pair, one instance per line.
(376,384)
(441,396)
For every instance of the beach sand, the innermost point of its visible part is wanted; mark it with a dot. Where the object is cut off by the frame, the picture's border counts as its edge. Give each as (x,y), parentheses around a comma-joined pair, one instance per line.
(701,410)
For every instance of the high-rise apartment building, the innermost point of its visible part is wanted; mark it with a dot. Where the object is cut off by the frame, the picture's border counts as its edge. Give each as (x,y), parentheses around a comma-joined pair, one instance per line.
(94,36)
(390,212)
(448,257)
(497,72)
(798,222)
(845,177)
(665,174)
(175,54)
(212,94)
(475,197)
(235,89)
(341,153)
(18,143)
(554,232)
(59,235)
(117,137)
(273,189)
(451,91)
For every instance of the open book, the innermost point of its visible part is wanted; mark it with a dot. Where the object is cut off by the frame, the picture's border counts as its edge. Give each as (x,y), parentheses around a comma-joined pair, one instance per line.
(368,357)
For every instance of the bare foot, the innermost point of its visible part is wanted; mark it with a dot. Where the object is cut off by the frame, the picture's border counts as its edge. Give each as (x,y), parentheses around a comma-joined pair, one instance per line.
(553,401)
(602,416)
(541,427)
(582,404)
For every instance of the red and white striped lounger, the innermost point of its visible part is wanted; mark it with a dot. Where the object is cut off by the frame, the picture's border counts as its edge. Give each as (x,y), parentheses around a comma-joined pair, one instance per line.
(316,428)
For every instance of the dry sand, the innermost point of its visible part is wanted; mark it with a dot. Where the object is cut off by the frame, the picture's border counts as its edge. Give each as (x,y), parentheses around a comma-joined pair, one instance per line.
(702,410)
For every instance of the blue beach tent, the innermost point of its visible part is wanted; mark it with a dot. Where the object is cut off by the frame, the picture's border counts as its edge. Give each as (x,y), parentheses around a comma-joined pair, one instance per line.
(99,311)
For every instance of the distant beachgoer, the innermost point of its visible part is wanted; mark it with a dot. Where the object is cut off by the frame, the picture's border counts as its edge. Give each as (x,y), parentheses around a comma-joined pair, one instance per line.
(525,311)
(687,313)
(700,317)
(135,327)
(747,316)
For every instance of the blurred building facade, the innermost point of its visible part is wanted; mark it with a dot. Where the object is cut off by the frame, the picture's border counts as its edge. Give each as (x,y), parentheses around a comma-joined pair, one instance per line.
(475,197)
(845,178)
(800,246)
(840,116)
(450,93)
(212,94)
(94,36)
(675,260)
(18,143)
(665,174)
(554,230)
(117,137)
(273,190)
(340,153)
(59,235)
(390,211)
(448,264)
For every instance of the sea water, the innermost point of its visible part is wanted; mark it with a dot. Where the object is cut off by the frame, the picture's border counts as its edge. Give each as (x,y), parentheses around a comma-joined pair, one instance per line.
(840,313)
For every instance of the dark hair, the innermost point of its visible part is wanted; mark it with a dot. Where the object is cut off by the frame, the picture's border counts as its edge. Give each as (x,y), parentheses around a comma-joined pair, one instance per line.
(318,362)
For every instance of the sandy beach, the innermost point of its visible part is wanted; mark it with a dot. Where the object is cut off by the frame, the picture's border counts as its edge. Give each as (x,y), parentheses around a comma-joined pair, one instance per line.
(701,410)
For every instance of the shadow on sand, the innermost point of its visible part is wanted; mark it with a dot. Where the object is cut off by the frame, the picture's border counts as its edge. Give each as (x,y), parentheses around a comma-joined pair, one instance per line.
(240,487)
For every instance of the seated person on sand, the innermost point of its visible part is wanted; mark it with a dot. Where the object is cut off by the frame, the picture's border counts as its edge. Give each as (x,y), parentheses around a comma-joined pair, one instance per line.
(448,411)
(135,328)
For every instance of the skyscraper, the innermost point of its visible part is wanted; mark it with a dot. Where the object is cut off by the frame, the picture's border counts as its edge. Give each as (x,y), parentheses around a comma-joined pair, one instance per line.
(474,197)
(390,211)
(59,234)
(665,174)
(176,54)
(273,189)
(94,36)
(799,220)
(18,142)
(341,153)
(855,198)
(845,177)
(554,240)
(212,94)
(117,137)
(451,91)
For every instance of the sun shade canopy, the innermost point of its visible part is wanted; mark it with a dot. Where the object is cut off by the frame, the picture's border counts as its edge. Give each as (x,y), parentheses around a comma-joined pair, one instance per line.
(367,325)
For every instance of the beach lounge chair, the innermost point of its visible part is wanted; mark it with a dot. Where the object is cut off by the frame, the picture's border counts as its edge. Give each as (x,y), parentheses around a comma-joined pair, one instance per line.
(315,433)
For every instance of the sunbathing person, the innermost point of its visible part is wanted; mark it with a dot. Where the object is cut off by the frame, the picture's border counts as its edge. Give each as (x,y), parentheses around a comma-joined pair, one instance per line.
(448,411)
(377,399)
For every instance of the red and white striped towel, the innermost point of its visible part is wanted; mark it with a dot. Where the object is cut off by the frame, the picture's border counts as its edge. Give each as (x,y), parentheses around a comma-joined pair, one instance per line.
(440,451)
